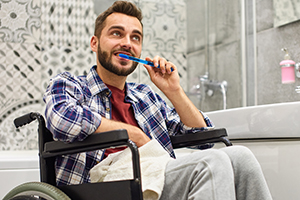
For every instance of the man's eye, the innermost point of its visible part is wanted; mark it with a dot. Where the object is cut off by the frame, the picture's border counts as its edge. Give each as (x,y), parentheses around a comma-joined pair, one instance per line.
(137,38)
(116,33)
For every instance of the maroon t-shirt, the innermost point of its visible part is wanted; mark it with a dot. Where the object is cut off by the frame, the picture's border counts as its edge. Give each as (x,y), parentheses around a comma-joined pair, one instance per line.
(120,111)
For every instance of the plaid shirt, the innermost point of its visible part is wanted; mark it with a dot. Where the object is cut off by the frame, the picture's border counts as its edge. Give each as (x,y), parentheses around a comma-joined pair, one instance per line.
(76,105)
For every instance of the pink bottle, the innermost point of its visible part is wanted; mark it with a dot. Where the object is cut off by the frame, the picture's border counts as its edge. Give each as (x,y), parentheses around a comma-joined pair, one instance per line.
(287,69)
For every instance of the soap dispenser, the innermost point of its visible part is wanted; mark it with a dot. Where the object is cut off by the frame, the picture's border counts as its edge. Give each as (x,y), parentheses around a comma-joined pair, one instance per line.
(287,68)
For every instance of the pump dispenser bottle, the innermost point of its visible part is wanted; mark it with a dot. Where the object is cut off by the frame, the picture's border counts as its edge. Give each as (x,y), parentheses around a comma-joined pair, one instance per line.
(287,68)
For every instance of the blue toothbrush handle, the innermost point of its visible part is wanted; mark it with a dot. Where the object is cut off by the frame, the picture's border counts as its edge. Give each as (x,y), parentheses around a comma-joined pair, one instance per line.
(140,60)
(152,65)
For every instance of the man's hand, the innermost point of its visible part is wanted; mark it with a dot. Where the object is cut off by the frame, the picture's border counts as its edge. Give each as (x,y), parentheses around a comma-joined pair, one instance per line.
(168,82)
(163,77)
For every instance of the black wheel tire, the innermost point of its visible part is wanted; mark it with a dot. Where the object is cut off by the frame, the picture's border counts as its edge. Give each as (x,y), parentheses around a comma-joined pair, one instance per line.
(39,189)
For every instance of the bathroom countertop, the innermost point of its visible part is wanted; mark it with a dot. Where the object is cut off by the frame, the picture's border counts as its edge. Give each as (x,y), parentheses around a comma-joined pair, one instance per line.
(19,159)
(279,120)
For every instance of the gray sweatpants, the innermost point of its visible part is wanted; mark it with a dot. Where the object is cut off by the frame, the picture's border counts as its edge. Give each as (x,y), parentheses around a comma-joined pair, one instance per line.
(228,173)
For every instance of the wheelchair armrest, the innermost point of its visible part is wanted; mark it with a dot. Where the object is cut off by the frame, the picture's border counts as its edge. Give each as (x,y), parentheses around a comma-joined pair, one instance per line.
(200,137)
(95,141)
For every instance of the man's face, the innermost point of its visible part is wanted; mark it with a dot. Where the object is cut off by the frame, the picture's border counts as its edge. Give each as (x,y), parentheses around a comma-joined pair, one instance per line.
(122,34)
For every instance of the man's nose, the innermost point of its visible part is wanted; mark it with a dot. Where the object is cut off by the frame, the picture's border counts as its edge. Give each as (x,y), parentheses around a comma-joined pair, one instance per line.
(126,42)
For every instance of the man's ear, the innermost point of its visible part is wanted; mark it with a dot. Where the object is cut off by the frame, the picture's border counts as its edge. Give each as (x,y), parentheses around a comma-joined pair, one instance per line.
(94,43)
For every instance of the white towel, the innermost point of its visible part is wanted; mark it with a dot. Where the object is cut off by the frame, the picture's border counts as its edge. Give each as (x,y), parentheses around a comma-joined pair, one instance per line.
(118,166)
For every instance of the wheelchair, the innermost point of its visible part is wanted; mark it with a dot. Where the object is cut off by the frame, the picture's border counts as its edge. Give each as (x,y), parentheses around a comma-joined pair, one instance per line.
(123,189)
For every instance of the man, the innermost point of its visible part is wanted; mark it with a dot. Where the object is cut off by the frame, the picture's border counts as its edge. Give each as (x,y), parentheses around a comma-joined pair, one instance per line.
(103,100)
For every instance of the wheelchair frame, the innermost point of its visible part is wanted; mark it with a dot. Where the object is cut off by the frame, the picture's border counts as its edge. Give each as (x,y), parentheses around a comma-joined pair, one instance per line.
(125,189)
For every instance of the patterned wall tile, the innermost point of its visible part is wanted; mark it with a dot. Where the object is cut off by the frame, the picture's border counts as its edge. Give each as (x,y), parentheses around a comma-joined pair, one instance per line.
(20,21)
(56,60)
(3,74)
(164,26)
(62,30)
(20,88)
(67,22)
(21,72)
(23,138)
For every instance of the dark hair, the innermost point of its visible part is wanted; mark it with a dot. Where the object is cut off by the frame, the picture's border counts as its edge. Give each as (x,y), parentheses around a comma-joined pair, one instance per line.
(124,7)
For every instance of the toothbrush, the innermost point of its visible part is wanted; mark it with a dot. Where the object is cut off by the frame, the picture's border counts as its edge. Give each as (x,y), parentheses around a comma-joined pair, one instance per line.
(139,60)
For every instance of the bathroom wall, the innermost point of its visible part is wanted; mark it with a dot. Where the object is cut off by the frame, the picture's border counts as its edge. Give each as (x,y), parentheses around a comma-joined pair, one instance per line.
(40,38)
(262,76)
(224,50)
(270,41)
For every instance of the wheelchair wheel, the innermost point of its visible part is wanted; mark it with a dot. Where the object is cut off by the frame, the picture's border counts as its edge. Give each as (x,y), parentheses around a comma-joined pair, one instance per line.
(34,191)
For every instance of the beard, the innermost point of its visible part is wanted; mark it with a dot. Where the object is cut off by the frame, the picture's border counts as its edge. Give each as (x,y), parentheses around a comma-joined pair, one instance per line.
(106,61)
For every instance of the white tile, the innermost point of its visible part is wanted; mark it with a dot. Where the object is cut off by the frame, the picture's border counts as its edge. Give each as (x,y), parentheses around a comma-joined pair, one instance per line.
(164,26)
(20,22)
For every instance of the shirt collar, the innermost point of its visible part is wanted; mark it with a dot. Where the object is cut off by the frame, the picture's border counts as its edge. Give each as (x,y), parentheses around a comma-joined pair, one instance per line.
(97,86)
(95,83)
(130,93)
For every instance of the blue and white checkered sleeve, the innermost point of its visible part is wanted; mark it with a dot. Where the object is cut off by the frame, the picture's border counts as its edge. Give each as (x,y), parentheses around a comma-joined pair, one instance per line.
(67,118)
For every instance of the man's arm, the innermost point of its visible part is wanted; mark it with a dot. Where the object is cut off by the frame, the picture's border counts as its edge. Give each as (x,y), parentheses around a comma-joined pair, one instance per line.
(135,134)
(168,82)
(68,119)
(188,112)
